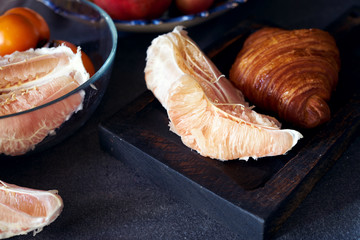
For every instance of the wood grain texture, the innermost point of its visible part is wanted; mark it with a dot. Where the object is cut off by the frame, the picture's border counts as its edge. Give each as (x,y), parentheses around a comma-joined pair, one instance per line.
(253,198)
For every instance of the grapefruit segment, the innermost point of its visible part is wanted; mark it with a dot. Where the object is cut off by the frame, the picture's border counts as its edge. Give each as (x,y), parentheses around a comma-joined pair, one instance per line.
(27,69)
(13,74)
(20,134)
(209,114)
(214,133)
(31,79)
(23,210)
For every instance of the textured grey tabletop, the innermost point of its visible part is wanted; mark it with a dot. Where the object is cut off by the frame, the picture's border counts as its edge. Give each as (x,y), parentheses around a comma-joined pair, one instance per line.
(104,198)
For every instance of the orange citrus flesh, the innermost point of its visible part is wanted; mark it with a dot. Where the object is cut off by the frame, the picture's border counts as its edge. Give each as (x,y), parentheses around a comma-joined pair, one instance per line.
(23,210)
(209,114)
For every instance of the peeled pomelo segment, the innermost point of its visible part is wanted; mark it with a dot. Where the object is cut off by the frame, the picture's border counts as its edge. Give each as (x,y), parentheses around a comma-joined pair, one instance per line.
(25,99)
(32,68)
(19,73)
(21,133)
(46,74)
(217,134)
(205,109)
(23,210)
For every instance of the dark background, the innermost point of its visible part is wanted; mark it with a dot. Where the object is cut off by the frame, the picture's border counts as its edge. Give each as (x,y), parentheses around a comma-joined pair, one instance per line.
(106,199)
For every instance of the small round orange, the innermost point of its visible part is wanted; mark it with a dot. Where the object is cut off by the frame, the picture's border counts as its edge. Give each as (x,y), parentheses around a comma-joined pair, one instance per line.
(36,19)
(89,66)
(17,33)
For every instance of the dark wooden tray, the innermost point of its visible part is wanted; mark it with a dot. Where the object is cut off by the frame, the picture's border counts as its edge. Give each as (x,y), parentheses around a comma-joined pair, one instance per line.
(253,198)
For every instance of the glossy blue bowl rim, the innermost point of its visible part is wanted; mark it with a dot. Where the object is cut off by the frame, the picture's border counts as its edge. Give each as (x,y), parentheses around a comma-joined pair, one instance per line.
(98,74)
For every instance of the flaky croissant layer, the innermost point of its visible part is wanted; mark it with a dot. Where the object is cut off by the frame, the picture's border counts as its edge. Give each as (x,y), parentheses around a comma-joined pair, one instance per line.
(290,72)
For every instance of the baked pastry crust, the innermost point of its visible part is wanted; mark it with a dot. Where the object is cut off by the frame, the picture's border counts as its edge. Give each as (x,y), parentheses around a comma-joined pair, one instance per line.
(290,72)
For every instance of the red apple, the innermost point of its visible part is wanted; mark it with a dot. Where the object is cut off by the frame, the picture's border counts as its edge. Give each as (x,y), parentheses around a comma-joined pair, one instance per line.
(134,9)
(193,6)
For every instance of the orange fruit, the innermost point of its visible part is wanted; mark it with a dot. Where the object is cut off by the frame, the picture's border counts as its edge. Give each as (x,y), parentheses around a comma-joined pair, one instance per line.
(17,33)
(33,78)
(37,21)
(85,58)
(205,109)
(23,210)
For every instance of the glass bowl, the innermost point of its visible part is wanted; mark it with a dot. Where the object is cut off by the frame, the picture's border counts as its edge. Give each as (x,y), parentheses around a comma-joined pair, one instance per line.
(172,18)
(81,23)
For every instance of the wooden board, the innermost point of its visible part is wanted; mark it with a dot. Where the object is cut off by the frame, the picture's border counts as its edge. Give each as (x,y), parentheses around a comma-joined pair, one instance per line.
(253,198)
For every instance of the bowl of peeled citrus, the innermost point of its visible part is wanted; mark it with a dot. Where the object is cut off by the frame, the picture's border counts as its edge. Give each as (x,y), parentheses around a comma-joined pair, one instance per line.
(55,64)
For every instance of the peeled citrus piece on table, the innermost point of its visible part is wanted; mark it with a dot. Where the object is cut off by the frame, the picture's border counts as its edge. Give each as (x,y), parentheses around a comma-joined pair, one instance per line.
(209,114)
(23,210)
(30,79)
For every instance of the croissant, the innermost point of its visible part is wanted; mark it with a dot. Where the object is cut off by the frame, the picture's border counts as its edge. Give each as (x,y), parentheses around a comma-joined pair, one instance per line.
(289,72)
